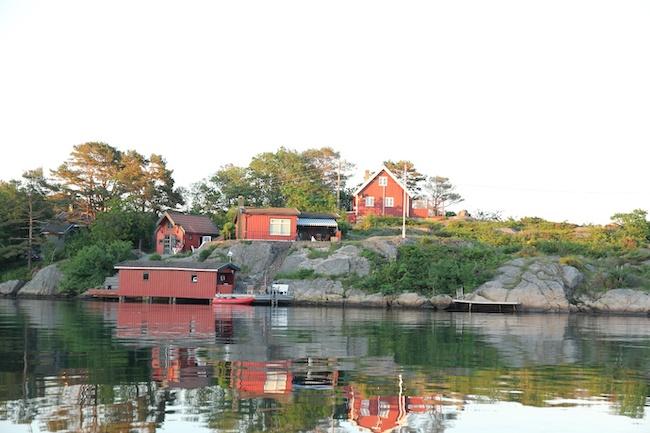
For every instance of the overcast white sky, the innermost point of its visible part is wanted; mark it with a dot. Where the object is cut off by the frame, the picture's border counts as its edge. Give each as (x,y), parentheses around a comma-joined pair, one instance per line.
(533,108)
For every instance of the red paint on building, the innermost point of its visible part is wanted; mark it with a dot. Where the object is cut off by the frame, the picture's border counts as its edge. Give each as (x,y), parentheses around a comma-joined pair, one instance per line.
(255,379)
(383,194)
(177,232)
(189,280)
(271,224)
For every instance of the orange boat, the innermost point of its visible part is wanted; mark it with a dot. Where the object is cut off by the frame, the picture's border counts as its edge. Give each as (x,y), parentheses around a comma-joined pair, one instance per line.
(232,300)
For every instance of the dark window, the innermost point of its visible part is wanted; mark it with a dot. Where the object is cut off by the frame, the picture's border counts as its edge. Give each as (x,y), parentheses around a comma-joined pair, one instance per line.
(170,225)
(190,237)
(195,278)
(145,275)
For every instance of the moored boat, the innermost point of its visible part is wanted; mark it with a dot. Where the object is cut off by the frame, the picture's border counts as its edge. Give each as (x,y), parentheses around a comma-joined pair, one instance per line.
(232,300)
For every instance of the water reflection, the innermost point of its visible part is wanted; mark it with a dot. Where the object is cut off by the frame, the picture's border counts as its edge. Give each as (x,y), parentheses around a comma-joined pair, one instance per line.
(67,366)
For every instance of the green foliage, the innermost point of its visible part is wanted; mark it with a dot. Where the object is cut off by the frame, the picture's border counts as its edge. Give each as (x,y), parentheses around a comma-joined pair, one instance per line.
(155,257)
(433,268)
(635,228)
(98,176)
(17,273)
(181,255)
(574,261)
(126,225)
(301,274)
(92,264)
(321,253)
(344,227)
(205,252)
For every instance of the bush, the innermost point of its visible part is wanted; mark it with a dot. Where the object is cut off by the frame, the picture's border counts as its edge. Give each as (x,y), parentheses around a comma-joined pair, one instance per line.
(205,252)
(301,274)
(92,264)
(19,273)
(155,257)
(432,268)
(574,261)
(344,227)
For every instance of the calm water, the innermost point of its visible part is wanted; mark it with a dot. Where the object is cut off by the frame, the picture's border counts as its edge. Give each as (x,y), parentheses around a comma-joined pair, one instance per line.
(70,366)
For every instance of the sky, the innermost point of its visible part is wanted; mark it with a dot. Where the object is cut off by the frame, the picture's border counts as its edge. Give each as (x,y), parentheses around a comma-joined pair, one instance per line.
(530,107)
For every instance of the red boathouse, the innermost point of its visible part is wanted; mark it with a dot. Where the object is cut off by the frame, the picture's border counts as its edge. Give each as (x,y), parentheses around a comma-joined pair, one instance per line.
(175,280)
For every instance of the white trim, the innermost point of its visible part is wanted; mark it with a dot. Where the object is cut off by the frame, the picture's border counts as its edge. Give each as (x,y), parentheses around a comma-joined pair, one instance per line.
(367,199)
(371,178)
(390,200)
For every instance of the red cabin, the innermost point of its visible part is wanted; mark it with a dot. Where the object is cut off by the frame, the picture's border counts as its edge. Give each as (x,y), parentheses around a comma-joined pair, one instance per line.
(285,224)
(383,194)
(177,232)
(175,279)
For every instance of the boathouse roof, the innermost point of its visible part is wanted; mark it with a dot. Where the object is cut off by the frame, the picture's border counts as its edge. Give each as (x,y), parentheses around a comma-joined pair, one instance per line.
(176,265)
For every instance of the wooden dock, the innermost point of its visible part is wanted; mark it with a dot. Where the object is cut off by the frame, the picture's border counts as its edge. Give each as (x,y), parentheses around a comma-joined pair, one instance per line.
(102,293)
(463,305)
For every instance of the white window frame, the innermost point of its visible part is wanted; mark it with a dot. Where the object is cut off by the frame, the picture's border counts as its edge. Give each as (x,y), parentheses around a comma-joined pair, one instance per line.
(369,201)
(280,227)
(383,180)
(205,239)
(389,202)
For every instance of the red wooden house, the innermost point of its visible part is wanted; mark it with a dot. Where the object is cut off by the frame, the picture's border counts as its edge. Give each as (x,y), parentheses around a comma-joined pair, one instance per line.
(284,224)
(177,232)
(189,280)
(383,194)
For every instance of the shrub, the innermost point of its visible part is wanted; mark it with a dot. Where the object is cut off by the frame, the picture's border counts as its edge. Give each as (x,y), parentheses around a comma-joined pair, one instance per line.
(344,227)
(205,252)
(92,264)
(574,261)
(301,274)
(19,273)
(432,268)
(155,257)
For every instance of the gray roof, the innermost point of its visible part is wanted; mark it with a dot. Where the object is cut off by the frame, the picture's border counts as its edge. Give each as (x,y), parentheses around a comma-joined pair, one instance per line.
(175,264)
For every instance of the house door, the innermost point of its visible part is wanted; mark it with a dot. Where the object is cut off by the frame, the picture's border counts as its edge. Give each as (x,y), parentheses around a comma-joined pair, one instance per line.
(169,242)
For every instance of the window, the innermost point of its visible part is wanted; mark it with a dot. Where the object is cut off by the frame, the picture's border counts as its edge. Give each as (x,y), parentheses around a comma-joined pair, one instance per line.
(170,225)
(145,276)
(370,201)
(195,278)
(389,202)
(205,239)
(190,237)
(383,181)
(280,227)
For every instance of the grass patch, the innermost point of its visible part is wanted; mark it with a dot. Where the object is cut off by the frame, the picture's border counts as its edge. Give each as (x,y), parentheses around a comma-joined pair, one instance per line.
(155,257)
(181,255)
(321,253)
(205,252)
(301,274)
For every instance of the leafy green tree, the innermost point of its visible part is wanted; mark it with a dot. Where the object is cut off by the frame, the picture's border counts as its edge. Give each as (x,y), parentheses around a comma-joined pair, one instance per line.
(442,193)
(124,225)
(635,228)
(92,264)
(414,178)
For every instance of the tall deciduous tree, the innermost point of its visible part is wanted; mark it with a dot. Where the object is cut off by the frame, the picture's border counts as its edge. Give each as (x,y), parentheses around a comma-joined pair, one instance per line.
(441,193)
(89,176)
(414,178)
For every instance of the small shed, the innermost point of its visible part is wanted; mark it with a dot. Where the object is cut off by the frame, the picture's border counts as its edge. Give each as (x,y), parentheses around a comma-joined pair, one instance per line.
(175,279)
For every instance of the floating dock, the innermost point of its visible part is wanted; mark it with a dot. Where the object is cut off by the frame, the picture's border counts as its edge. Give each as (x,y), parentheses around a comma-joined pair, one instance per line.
(463,305)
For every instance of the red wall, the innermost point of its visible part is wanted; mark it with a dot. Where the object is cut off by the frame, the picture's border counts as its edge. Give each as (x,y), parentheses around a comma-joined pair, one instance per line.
(392,189)
(258,227)
(166,283)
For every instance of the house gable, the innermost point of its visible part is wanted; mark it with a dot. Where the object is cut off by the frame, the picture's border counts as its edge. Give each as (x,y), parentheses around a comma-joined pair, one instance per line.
(372,178)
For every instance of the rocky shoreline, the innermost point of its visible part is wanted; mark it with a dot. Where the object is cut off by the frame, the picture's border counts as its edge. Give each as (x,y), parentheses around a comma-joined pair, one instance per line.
(539,284)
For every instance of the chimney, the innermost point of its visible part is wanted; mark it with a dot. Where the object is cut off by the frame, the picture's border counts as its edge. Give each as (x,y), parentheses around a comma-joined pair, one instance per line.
(366,175)
(240,201)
